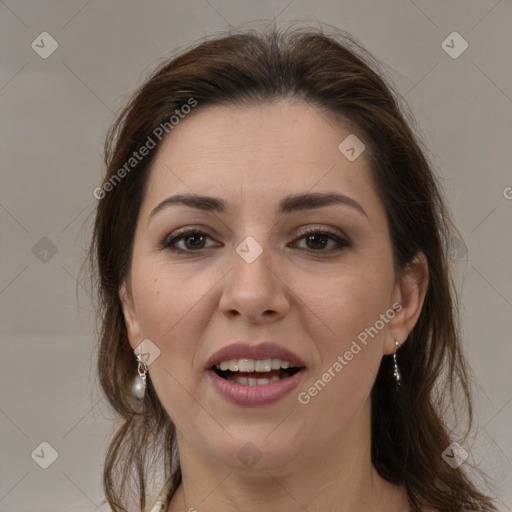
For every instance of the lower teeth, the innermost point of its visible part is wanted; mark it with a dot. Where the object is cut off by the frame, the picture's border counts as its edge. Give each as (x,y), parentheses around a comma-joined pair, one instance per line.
(245,381)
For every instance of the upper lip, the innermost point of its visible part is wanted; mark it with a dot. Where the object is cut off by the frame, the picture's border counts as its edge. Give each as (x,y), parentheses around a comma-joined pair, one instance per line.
(244,350)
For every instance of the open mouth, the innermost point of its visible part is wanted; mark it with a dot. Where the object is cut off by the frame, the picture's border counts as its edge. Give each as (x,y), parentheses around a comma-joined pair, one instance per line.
(255,372)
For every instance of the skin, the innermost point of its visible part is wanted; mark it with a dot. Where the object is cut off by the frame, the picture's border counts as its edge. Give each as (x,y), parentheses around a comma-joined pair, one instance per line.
(310,299)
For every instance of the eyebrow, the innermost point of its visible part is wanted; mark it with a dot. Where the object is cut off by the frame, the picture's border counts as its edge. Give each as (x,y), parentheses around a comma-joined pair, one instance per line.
(289,204)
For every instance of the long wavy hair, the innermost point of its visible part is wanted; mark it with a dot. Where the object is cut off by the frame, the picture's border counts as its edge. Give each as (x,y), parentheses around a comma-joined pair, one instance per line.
(332,72)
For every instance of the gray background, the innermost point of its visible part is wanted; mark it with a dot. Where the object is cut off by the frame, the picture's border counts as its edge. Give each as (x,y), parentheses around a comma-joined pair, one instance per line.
(55,113)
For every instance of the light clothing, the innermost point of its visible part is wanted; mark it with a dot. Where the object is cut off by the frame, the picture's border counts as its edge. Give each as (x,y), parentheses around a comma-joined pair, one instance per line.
(161,503)
(159,506)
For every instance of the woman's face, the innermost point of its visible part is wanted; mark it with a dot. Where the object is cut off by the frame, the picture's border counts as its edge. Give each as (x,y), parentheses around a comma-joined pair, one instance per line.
(250,273)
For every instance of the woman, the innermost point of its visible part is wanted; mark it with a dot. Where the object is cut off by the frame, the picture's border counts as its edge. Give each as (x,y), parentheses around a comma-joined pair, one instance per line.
(271,252)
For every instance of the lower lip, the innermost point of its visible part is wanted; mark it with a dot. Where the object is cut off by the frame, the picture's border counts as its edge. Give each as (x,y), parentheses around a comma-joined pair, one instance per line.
(254,395)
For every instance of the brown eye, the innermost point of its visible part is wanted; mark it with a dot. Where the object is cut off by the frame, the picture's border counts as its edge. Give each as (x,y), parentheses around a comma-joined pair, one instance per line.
(196,241)
(317,240)
(190,240)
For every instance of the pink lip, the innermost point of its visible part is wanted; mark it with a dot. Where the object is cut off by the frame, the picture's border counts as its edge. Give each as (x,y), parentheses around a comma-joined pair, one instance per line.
(254,395)
(242,350)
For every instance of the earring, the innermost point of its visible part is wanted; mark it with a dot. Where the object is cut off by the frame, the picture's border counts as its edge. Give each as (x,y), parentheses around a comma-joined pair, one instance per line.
(396,372)
(139,383)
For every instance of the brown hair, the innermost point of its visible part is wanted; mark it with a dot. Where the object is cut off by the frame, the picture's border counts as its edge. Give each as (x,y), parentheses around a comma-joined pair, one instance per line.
(333,73)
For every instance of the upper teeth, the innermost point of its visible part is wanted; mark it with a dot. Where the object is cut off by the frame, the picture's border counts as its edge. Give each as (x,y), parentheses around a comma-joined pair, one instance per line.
(253,365)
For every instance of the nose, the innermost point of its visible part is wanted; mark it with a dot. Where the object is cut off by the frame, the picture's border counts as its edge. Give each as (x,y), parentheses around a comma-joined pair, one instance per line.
(255,291)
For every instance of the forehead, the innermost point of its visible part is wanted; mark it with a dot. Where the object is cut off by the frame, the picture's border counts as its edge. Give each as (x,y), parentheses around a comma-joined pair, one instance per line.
(255,152)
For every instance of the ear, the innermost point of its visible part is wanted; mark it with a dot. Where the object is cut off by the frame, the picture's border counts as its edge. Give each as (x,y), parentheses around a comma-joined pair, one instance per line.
(130,317)
(409,295)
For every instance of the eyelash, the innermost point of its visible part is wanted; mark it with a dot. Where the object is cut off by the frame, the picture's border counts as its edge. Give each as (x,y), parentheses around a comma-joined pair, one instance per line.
(169,241)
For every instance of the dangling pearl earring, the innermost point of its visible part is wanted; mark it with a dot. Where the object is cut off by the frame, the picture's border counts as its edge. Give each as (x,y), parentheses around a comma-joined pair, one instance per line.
(139,383)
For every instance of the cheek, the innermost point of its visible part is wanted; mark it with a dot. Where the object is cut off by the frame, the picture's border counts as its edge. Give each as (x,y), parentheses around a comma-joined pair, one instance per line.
(346,303)
(166,298)
(173,310)
(346,326)
(172,313)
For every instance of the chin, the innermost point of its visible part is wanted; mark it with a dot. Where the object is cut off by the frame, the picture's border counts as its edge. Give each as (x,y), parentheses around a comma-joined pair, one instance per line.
(252,450)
